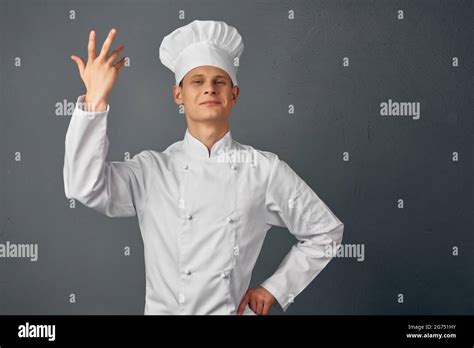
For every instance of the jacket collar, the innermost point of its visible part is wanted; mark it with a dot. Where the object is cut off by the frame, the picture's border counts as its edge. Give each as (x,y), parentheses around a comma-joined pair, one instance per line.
(196,149)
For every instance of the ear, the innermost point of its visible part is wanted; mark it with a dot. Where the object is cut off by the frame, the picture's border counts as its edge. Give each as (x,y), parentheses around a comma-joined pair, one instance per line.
(178,98)
(235,93)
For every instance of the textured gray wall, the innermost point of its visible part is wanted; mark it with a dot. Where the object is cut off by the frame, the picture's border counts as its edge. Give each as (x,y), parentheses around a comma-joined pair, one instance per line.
(409,251)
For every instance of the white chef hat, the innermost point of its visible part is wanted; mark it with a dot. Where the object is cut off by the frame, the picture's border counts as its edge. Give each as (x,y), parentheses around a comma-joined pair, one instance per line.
(202,43)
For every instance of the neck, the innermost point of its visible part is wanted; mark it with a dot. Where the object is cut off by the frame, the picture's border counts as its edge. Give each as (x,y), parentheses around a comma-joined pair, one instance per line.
(208,134)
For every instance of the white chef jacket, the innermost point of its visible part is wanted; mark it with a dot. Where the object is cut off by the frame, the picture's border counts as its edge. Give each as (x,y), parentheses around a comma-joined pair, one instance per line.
(202,220)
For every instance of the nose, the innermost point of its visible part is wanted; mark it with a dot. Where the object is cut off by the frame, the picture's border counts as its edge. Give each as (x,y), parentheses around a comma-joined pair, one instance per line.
(209,87)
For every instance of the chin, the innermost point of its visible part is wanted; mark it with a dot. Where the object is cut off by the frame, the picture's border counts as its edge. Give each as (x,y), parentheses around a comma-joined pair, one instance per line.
(211,118)
(209,115)
(212,114)
(206,118)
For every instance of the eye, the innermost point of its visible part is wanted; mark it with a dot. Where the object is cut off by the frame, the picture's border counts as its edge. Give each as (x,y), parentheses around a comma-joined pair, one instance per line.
(196,81)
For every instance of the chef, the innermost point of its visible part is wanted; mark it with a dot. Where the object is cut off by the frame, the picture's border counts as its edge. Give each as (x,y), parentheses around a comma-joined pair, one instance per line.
(203,209)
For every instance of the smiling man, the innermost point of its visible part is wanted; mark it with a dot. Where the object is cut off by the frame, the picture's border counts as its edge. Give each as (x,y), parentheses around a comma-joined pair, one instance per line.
(203,219)
(208,95)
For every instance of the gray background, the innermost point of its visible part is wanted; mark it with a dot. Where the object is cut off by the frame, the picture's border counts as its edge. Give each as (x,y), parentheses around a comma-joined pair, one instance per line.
(285,62)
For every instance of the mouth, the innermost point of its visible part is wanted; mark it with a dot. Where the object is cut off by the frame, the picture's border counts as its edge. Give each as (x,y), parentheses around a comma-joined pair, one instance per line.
(210,103)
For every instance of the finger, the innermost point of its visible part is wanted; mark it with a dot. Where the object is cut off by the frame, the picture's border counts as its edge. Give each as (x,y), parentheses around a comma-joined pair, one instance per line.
(242,305)
(253,305)
(120,63)
(259,308)
(79,62)
(115,54)
(266,308)
(107,43)
(91,46)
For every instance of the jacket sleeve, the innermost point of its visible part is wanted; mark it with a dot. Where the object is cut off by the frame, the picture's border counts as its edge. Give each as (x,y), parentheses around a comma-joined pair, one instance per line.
(116,189)
(291,203)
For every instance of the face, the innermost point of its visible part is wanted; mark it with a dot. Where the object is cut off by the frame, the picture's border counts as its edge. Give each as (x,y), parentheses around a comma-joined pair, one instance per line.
(207,94)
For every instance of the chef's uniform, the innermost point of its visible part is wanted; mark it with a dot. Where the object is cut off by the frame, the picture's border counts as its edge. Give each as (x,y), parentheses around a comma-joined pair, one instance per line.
(203,216)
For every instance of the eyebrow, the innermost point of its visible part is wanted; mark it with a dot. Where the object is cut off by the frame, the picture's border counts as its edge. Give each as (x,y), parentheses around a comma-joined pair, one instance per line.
(199,75)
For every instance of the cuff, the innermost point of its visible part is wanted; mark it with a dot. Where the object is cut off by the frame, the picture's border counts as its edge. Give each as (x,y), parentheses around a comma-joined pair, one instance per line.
(284,300)
(80,107)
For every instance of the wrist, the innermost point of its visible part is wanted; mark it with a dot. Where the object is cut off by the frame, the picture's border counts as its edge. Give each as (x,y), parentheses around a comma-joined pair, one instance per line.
(95,105)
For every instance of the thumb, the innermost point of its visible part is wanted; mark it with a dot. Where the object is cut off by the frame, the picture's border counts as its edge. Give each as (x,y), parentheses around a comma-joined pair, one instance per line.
(243,303)
(79,62)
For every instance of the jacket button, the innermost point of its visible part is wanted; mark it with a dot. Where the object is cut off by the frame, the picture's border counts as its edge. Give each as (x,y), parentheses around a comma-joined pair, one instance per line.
(291,203)
(188,272)
(188,217)
(225,274)
(185,167)
(233,167)
(229,219)
(181,298)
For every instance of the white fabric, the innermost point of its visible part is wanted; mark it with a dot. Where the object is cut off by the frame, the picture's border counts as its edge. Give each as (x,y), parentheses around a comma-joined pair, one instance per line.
(203,220)
(202,43)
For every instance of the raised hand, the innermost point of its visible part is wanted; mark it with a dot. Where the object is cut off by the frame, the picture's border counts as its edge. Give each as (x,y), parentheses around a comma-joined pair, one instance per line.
(100,73)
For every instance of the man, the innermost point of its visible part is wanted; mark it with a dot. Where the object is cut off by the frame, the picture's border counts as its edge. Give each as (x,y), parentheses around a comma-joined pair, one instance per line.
(203,208)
